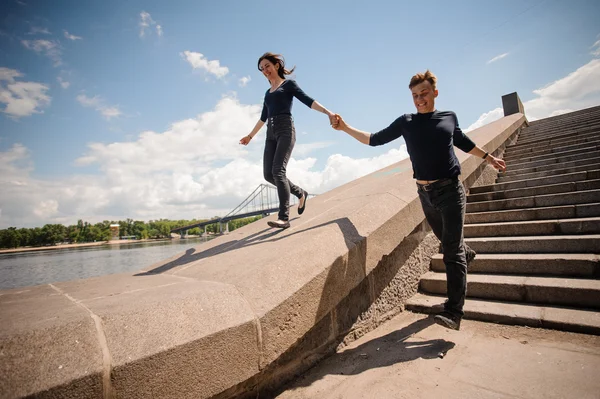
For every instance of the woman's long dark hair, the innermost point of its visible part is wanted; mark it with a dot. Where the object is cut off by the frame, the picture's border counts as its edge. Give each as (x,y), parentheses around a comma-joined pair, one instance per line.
(276,59)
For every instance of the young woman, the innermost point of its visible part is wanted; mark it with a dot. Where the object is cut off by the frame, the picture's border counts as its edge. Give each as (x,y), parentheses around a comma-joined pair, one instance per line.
(281,135)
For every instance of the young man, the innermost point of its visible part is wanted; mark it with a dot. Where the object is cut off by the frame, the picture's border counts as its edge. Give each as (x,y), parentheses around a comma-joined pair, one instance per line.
(430,136)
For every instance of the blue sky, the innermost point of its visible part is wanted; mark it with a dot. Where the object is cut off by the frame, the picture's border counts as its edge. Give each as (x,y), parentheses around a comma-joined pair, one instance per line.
(113,109)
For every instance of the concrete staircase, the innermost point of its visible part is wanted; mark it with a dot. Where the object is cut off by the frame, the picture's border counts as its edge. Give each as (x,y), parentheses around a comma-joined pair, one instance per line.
(536,233)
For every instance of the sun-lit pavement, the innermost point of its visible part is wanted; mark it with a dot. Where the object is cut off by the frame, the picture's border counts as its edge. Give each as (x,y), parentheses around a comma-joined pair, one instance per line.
(409,357)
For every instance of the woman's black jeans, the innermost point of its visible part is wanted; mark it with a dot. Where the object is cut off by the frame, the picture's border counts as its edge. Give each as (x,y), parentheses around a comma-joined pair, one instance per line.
(281,137)
(444,203)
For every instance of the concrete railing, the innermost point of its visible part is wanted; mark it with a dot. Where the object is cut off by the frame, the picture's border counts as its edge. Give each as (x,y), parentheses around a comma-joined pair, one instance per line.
(241,314)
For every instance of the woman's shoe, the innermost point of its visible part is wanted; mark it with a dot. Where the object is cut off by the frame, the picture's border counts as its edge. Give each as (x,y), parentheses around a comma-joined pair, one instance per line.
(280,224)
(301,208)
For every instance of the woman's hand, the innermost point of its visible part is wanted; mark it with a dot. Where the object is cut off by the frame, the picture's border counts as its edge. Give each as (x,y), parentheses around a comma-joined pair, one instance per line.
(332,118)
(245,140)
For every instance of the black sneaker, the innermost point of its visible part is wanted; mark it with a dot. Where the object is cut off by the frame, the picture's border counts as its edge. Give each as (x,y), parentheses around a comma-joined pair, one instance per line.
(448,320)
(280,224)
(301,208)
(470,254)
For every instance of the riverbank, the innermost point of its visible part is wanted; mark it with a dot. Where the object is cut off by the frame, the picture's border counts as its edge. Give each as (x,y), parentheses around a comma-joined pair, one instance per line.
(82,245)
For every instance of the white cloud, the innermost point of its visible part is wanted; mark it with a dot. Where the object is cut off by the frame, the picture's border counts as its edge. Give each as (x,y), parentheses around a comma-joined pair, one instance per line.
(596,48)
(195,168)
(37,30)
(578,90)
(21,98)
(244,81)
(198,61)
(485,118)
(146,23)
(72,37)
(50,48)
(496,58)
(305,149)
(98,104)
(63,83)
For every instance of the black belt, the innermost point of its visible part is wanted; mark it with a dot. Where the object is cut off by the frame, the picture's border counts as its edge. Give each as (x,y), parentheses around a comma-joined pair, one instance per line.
(438,183)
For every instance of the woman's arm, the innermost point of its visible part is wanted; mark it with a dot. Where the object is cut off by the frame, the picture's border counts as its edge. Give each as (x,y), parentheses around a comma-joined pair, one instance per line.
(318,107)
(245,140)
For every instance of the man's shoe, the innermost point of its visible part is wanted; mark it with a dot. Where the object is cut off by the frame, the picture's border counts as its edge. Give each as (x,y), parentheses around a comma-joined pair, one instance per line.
(470,254)
(301,208)
(448,320)
(280,224)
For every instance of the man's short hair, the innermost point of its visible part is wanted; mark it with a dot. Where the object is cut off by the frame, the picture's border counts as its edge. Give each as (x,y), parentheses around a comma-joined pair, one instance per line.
(422,77)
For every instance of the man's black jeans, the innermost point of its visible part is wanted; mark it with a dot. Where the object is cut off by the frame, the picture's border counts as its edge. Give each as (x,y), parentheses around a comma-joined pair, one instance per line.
(444,203)
(281,137)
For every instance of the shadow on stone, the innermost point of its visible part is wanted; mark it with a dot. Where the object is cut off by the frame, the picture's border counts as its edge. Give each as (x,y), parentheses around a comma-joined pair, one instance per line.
(195,254)
(384,351)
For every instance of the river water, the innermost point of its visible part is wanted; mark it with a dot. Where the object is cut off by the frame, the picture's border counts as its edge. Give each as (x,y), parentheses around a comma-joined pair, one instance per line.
(43,267)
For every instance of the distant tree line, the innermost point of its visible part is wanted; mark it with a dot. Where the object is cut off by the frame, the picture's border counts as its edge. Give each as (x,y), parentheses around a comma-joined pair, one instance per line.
(82,232)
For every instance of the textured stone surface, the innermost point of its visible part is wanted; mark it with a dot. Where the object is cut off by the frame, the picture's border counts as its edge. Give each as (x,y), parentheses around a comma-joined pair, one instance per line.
(249,309)
(48,346)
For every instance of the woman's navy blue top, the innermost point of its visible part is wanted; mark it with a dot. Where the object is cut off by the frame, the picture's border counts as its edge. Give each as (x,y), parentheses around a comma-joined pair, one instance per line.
(430,140)
(280,101)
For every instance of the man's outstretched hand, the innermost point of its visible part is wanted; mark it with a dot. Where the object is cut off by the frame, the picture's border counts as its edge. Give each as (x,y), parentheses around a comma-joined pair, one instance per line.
(339,123)
(496,163)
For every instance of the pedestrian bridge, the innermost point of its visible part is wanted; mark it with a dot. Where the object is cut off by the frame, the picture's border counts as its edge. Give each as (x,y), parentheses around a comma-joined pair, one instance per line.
(241,314)
(262,201)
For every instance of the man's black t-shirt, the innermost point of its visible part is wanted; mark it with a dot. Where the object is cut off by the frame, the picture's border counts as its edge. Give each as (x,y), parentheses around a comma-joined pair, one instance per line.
(429,140)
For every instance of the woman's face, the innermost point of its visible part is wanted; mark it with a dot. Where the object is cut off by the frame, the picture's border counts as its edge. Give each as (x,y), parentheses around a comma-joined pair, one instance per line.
(268,69)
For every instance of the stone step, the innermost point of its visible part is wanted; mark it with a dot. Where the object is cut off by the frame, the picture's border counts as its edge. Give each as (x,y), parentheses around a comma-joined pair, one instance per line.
(514,171)
(566,265)
(573,155)
(568,244)
(552,317)
(542,181)
(555,160)
(581,293)
(538,190)
(578,118)
(552,152)
(553,212)
(547,173)
(531,133)
(578,197)
(534,227)
(535,148)
(556,136)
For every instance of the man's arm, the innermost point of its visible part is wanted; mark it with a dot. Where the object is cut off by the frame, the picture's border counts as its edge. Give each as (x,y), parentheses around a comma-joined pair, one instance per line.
(384,136)
(463,142)
(340,124)
(489,158)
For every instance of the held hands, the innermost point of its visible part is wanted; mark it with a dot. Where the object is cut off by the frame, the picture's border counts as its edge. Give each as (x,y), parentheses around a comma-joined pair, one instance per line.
(245,140)
(339,123)
(332,118)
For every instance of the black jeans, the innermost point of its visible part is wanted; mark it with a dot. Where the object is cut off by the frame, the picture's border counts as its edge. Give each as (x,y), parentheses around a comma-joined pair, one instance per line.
(444,203)
(281,137)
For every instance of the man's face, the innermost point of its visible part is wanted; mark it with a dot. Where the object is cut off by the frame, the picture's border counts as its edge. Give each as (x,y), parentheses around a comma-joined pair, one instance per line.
(424,97)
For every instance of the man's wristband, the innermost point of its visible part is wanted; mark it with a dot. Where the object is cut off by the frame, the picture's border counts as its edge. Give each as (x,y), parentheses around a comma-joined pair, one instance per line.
(486,155)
